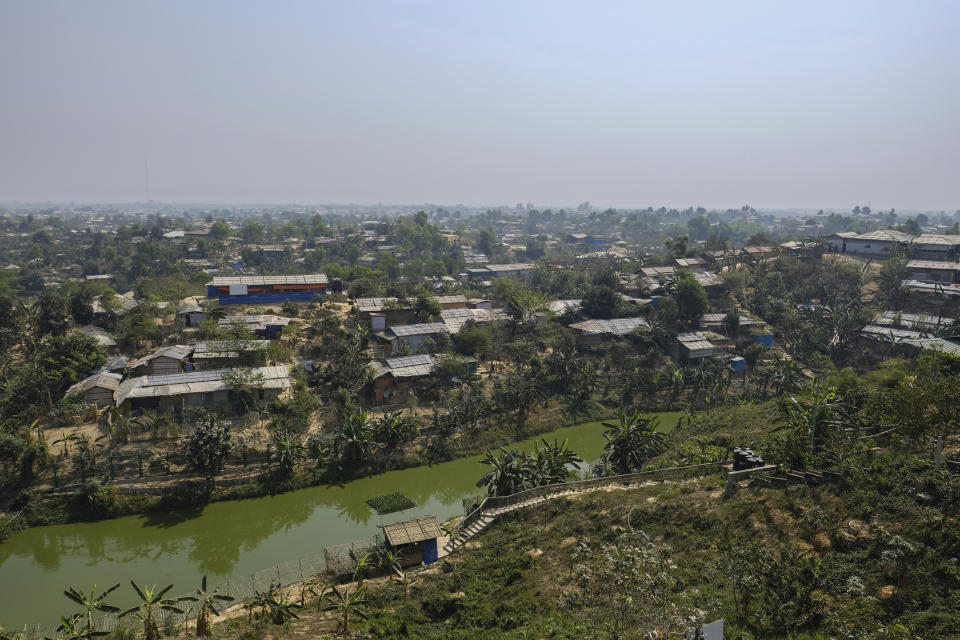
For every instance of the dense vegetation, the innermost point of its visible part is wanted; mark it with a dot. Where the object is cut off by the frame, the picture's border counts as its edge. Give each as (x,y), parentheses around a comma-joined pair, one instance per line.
(873,556)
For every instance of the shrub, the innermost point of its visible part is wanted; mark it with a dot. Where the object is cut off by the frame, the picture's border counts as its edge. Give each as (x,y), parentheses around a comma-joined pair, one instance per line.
(390,503)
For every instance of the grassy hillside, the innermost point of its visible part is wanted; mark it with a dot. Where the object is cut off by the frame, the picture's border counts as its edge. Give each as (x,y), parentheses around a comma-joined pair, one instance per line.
(874,557)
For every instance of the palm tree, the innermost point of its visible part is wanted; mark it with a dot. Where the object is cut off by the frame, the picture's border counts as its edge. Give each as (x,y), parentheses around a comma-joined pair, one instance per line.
(207,606)
(890,280)
(631,441)
(520,393)
(151,603)
(92,602)
(347,604)
(816,415)
(155,423)
(217,313)
(553,460)
(786,375)
(579,389)
(119,425)
(508,475)
(393,429)
(355,441)
(288,451)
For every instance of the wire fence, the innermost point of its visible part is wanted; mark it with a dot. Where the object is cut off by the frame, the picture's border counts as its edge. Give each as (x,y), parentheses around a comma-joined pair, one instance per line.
(335,562)
(499,503)
(124,470)
(339,561)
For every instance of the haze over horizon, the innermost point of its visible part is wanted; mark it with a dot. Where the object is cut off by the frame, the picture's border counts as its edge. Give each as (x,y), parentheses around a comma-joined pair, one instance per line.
(621,104)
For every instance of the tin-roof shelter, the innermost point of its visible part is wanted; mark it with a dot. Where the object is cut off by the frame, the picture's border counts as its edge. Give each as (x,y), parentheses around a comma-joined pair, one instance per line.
(614,327)
(267,289)
(194,387)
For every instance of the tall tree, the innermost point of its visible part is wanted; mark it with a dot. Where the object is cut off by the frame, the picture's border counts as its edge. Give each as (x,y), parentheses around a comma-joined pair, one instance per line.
(691,299)
(207,448)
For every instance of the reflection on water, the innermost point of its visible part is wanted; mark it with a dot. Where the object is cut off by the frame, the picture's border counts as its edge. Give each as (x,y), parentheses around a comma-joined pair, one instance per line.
(223,539)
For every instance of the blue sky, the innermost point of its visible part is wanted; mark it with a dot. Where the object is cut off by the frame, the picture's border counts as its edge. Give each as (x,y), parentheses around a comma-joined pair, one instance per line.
(813,104)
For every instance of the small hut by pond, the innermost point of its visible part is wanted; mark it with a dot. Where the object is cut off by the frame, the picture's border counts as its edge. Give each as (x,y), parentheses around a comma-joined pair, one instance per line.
(414,540)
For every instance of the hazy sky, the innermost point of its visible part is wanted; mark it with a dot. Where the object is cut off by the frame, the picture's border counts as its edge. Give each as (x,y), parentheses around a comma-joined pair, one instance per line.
(677,103)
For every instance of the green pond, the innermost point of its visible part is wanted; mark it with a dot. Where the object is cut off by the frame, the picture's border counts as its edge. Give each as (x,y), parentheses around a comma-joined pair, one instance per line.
(228,539)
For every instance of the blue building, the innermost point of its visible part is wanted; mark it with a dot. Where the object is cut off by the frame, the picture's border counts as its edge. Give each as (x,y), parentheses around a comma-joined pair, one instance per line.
(267,289)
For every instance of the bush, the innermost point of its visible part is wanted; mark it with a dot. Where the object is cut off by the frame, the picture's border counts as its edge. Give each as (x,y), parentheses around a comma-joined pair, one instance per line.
(390,503)
(100,499)
(68,411)
(438,607)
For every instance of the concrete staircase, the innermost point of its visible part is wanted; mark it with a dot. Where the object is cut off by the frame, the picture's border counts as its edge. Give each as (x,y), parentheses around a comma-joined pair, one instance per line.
(488,516)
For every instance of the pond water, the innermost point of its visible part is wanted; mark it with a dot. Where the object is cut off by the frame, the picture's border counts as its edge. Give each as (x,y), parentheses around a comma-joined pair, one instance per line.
(228,539)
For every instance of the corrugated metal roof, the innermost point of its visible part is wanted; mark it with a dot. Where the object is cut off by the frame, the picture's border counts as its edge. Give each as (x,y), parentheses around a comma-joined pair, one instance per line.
(933,264)
(938,239)
(696,342)
(888,235)
(264,320)
(216,346)
(562,306)
(452,299)
(176,352)
(312,278)
(189,307)
(914,320)
(175,384)
(454,319)
(367,305)
(932,287)
(936,344)
(656,272)
(451,314)
(102,379)
(411,531)
(427,328)
(616,326)
(716,320)
(103,338)
(516,266)
(404,366)
(888,333)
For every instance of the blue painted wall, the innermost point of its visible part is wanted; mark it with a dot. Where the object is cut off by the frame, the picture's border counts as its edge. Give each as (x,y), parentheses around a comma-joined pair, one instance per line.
(766,341)
(265,298)
(429,551)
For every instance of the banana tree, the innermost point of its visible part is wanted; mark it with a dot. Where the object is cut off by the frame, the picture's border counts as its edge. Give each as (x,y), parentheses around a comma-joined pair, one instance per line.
(207,606)
(361,562)
(155,423)
(151,604)
(349,606)
(70,629)
(64,438)
(92,602)
(631,441)
(119,425)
